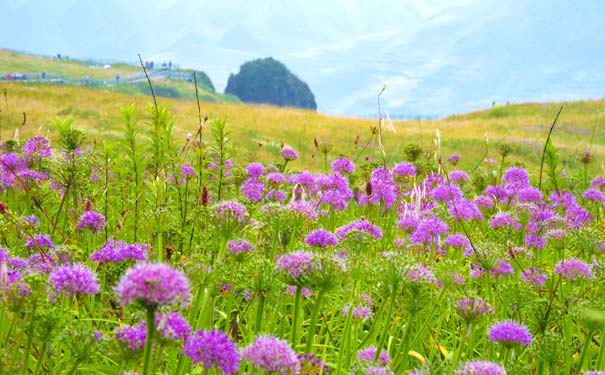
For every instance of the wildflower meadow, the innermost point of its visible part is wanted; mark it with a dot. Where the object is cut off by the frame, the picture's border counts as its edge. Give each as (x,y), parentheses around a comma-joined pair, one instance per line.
(156,255)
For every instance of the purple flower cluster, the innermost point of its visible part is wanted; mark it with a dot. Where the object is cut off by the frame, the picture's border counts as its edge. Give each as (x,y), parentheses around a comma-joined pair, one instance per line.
(212,349)
(481,368)
(343,165)
(470,309)
(255,170)
(404,170)
(239,246)
(153,284)
(428,231)
(172,325)
(367,364)
(509,333)
(226,211)
(273,355)
(357,227)
(289,154)
(133,337)
(321,238)
(39,241)
(92,220)
(298,264)
(573,269)
(534,276)
(119,251)
(37,148)
(360,311)
(70,280)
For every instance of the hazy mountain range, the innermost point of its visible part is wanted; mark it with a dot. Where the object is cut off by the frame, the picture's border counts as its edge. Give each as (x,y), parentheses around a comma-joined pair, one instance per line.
(436,57)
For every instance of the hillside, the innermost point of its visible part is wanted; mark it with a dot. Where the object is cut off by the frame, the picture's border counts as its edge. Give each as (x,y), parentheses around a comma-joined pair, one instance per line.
(264,128)
(268,81)
(119,77)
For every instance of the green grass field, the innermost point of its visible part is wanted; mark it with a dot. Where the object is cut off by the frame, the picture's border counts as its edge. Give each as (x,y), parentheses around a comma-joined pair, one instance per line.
(263,128)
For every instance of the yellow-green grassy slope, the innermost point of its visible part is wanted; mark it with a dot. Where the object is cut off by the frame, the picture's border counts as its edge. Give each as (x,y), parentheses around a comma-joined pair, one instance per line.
(15,62)
(259,131)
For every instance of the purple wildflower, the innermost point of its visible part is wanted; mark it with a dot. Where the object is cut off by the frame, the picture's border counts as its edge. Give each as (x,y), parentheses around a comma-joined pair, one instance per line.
(368,355)
(457,241)
(187,172)
(133,336)
(70,280)
(172,325)
(481,368)
(119,251)
(228,211)
(501,267)
(360,311)
(453,159)
(470,309)
(272,355)
(343,165)
(573,269)
(458,176)
(357,227)
(153,284)
(298,264)
(534,276)
(239,246)
(37,148)
(289,154)
(592,373)
(529,194)
(594,195)
(276,178)
(33,220)
(39,241)
(509,333)
(321,238)
(516,177)
(304,292)
(428,231)
(253,189)
(92,220)
(503,219)
(212,348)
(404,170)
(255,170)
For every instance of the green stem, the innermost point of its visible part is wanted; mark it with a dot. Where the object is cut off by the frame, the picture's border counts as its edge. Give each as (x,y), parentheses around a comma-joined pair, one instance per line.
(40,359)
(259,314)
(601,357)
(343,343)
(28,346)
(402,351)
(314,316)
(150,319)
(387,321)
(295,314)
(585,349)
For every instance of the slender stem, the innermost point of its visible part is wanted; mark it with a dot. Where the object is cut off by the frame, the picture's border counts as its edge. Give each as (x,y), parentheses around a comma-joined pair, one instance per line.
(585,349)
(28,346)
(40,359)
(150,319)
(387,321)
(295,316)
(314,315)
(601,357)
(259,314)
